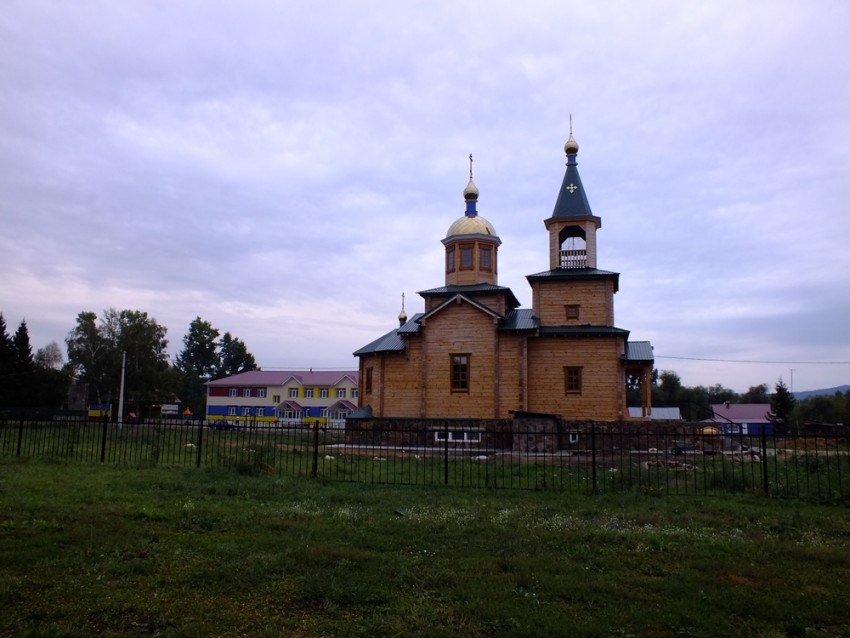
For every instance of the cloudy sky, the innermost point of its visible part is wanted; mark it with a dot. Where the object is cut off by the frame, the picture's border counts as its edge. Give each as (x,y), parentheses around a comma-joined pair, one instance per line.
(286,170)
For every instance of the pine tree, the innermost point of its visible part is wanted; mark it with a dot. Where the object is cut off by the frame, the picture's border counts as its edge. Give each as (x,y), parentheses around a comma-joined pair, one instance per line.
(781,408)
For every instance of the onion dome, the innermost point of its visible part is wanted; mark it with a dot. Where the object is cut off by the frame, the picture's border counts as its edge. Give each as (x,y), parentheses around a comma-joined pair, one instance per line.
(471,225)
(470,193)
(571,147)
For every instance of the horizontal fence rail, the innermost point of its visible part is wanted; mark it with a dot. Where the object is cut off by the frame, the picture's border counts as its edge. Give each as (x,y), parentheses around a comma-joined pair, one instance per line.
(457,453)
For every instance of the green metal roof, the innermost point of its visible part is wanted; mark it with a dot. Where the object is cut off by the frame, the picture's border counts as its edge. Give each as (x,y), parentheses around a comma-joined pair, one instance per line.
(572,200)
(581,331)
(639,351)
(470,291)
(576,274)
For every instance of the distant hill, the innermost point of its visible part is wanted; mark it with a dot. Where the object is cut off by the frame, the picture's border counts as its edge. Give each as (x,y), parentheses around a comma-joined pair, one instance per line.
(819,393)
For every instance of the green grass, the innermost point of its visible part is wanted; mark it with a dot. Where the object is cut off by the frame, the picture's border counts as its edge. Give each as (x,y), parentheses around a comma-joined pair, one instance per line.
(89,550)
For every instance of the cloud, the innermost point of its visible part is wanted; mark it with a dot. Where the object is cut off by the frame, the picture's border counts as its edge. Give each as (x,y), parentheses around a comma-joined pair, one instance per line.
(286,173)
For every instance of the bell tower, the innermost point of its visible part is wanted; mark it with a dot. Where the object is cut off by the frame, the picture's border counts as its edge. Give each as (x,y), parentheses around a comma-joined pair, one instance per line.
(572,226)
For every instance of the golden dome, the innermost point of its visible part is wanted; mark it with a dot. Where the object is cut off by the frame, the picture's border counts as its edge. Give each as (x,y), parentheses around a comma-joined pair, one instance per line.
(571,147)
(470,193)
(471,225)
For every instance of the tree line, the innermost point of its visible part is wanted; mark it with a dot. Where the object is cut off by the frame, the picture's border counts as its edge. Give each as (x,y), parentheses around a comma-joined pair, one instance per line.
(98,349)
(788,413)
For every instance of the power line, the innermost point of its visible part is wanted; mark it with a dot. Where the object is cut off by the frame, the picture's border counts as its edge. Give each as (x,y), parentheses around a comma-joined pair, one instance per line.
(812,363)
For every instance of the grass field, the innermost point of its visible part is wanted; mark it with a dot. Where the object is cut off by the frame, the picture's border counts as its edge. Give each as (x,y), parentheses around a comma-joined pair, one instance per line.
(88,550)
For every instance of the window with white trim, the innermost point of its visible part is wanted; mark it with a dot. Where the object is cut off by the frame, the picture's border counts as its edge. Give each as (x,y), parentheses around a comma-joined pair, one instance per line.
(323,393)
(293,393)
(340,393)
(308,393)
(261,393)
(231,411)
(232,392)
(246,392)
(458,436)
(246,411)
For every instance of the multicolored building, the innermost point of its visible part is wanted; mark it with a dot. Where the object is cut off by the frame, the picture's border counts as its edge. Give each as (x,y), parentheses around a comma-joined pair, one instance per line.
(283,397)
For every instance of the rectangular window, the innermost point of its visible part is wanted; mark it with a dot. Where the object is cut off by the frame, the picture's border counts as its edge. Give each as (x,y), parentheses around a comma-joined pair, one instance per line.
(293,393)
(261,393)
(308,393)
(572,380)
(246,411)
(368,389)
(460,372)
(275,398)
(232,392)
(466,257)
(231,411)
(260,412)
(323,393)
(246,392)
(340,393)
(573,311)
(485,258)
(355,393)
(458,436)
(450,260)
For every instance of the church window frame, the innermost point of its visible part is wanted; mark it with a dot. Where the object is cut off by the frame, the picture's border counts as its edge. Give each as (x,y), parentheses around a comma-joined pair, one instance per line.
(573,311)
(573,377)
(460,371)
(485,255)
(467,257)
(368,388)
(450,259)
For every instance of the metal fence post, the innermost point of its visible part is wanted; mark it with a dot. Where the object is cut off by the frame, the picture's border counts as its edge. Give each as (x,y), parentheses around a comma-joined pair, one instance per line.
(200,439)
(593,453)
(103,439)
(764,459)
(315,470)
(445,452)
(20,435)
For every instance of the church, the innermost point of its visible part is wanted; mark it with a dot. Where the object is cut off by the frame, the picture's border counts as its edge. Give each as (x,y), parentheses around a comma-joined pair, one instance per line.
(474,353)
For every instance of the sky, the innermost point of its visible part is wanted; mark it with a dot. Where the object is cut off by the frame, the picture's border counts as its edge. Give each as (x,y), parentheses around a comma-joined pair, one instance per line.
(286,170)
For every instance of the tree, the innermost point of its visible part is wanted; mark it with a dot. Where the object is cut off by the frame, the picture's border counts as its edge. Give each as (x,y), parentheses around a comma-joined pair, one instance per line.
(49,357)
(200,350)
(198,362)
(781,407)
(143,340)
(95,352)
(7,371)
(756,394)
(89,354)
(23,368)
(235,357)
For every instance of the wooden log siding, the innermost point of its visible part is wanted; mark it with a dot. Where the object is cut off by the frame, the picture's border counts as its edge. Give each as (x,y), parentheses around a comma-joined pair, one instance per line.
(460,329)
(601,369)
(596,299)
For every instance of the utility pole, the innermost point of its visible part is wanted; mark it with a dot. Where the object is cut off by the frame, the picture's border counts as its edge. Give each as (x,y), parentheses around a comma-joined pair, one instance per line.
(792,381)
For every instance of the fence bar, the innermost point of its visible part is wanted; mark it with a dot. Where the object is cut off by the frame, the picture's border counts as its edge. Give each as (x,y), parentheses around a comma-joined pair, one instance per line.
(674,460)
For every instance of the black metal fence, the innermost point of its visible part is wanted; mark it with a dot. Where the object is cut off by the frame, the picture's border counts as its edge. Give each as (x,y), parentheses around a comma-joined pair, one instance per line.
(457,453)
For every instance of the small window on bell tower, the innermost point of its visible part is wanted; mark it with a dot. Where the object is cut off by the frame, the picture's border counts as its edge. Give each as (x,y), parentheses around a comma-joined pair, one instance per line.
(450,259)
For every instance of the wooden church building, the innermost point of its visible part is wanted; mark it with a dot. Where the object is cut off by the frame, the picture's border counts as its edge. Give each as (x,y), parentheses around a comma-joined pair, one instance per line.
(474,353)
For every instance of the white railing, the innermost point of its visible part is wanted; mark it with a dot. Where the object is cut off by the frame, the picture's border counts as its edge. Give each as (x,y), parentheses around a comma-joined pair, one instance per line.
(576,258)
